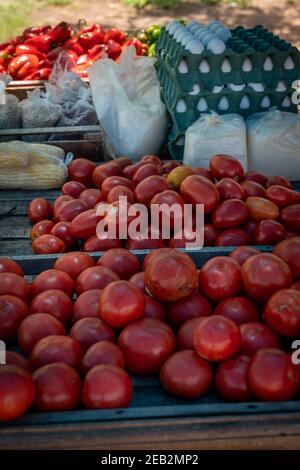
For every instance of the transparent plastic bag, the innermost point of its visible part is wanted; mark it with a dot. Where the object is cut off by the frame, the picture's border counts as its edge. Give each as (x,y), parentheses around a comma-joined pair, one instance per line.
(9,109)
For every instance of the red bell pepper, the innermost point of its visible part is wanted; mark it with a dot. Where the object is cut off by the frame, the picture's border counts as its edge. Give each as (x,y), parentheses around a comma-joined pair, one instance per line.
(36,31)
(45,64)
(73,45)
(28,49)
(43,43)
(136,43)
(113,49)
(88,40)
(41,74)
(97,51)
(22,65)
(61,32)
(88,28)
(17,40)
(115,35)
(4,45)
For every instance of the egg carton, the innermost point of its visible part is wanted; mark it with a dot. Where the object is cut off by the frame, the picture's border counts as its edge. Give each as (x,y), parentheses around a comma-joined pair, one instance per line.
(176,140)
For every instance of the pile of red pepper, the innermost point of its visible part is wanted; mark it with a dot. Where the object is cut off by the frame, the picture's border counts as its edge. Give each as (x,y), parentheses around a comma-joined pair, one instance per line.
(31,55)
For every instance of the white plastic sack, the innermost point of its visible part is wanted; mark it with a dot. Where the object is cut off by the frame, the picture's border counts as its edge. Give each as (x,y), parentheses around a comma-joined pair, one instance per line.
(213,133)
(9,108)
(128,105)
(273,140)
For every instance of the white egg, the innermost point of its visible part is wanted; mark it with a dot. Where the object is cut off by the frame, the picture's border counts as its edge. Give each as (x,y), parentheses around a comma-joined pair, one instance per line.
(204,66)
(194,29)
(201,34)
(226,67)
(245,102)
(217,88)
(181,36)
(223,33)
(247,65)
(286,102)
(178,32)
(195,47)
(181,106)
(173,26)
(191,23)
(213,25)
(187,39)
(265,102)
(235,87)
(196,89)
(216,46)
(258,87)
(268,64)
(202,105)
(183,67)
(289,63)
(207,38)
(223,103)
(280,86)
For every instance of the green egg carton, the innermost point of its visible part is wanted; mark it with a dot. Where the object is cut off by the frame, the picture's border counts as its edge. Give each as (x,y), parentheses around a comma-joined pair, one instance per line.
(176,149)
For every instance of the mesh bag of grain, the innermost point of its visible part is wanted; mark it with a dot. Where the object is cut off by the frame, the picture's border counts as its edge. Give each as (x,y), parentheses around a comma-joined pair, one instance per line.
(9,109)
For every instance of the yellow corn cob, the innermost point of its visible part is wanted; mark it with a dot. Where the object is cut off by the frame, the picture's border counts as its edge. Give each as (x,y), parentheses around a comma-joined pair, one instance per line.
(33,177)
(13,154)
(49,149)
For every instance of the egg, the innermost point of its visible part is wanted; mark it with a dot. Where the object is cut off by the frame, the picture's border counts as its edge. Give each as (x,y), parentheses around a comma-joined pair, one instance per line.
(194,47)
(216,46)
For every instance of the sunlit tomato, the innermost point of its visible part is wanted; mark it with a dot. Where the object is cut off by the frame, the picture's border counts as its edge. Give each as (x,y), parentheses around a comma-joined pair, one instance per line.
(74,263)
(272,376)
(55,302)
(68,211)
(154,309)
(242,253)
(53,279)
(192,306)
(17,392)
(290,217)
(38,326)
(61,230)
(278,181)
(257,177)
(233,237)
(96,277)
(185,335)
(146,170)
(59,202)
(41,228)
(130,170)
(91,197)
(102,352)
(230,213)
(253,189)
(14,284)
(120,191)
(261,209)
(230,189)
(282,312)
(225,166)
(153,159)
(231,379)
(169,166)
(73,188)
(58,387)
(124,263)
(106,386)
(96,244)
(81,170)
(264,274)
(87,305)
(88,331)
(249,227)
(217,338)
(186,375)
(170,277)
(121,303)
(12,311)
(269,232)
(210,234)
(56,348)
(289,251)
(282,196)
(48,244)
(199,190)
(39,209)
(147,188)
(256,336)
(146,344)
(138,280)
(8,265)
(204,172)
(238,309)
(15,359)
(102,172)
(219,278)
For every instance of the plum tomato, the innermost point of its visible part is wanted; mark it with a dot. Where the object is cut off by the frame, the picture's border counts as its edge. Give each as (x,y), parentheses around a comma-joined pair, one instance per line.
(17,392)
(43,227)
(192,306)
(91,197)
(53,279)
(59,202)
(185,339)
(70,210)
(120,191)
(204,172)
(296,285)
(55,302)
(256,336)
(48,244)
(211,233)
(289,251)
(74,263)
(8,265)
(142,243)
(154,309)
(290,217)
(238,309)
(138,280)
(269,232)
(96,244)
(13,310)
(230,213)
(87,305)
(102,172)
(153,159)
(81,170)
(88,331)
(38,326)
(113,181)
(219,278)
(124,263)
(225,166)
(233,237)
(146,189)
(261,208)
(149,169)
(278,181)
(253,189)
(96,277)
(39,209)
(255,176)
(282,312)
(153,254)
(230,189)
(282,196)
(84,225)
(61,230)
(15,359)
(14,284)
(249,227)
(55,348)
(197,189)
(242,253)
(102,352)
(231,379)
(166,200)
(130,170)
(73,188)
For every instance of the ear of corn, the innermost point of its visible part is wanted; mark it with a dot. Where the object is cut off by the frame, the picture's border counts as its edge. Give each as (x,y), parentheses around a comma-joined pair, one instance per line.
(49,150)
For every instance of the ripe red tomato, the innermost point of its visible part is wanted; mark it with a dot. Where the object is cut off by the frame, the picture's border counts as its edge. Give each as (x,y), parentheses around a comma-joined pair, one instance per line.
(102,172)
(153,254)
(253,189)
(225,166)
(8,265)
(95,244)
(154,309)
(61,230)
(17,392)
(14,284)
(296,285)
(48,244)
(142,243)
(217,338)
(43,227)
(282,312)
(219,278)
(185,335)
(15,359)
(70,210)
(272,376)
(96,277)
(74,263)
(118,191)
(84,225)
(113,181)
(265,274)
(53,279)
(278,181)
(282,196)
(192,306)
(169,166)
(146,344)
(210,234)
(12,311)
(151,159)
(59,203)
(87,305)
(58,387)
(149,169)
(124,263)
(290,217)
(231,379)
(55,348)
(249,227)
(147,188)
(91,197)
(55,302)
(38,326)
(233,237)
(121,303)
(261,208)
(81,170)
(269,232)
(130,170)
(73,188)
(257,177)
(106,386)
(238,309)
(102,352)
(289,251)
(166,199)
(242,253)
(186,375)
(39,209)
(230,189)
(138,280)
(88,331)
(256,336)
(204,172)
(230,213)
(199,190)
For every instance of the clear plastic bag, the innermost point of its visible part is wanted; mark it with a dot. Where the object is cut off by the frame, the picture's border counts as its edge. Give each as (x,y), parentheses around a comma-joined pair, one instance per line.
(9,109)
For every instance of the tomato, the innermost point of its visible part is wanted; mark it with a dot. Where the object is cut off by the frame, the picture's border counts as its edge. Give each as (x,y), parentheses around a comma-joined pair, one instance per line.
(261,209)
(149,169)
(74,263)
(171,276)
(15,359)
(106,386)
(17,392)
(102,172)
(153,159)
(204,172)
(169,166)
(91,197)
(113,181)
(296,285)
(38,326)
(130,170)
(192,306)
(242,253)
(253,189)
(217,338)
(43,227)
(141,243)
(56,348)
(48,244)
(53,279)
(39,209)
(81,170)
(73,188)
(147,189)
(210,234)
(87,305)
(289,251)
(225,166)
(96,244)
(249,227)
(146,344)
(230,189)
(59,202)
(230,213)
(8,265)
(124,263)
(12,311)
(256,336)
(84,225)
(14,284)
(186,236)
(88,331)
(186,375)
(219,278)
(103,352)
(238,309)
(233,237)
(279,181)
(199,190)
(138,280)
(272,376)
(185,335)
(269,232)
(55,302)
(154,309)
(153,254)
(282,312)
(123,162)
(96,277)
(231,379)
(290,217)
(70,210)
(120,191)
(282,196)
(167,199)
(61,230)
(264,274)
(257,177)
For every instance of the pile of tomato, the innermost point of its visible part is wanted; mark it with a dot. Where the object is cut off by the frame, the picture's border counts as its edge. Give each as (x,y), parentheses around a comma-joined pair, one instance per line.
(84,328)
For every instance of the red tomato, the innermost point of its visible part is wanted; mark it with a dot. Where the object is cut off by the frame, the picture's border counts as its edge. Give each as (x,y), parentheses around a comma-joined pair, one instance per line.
(146,344)
(56,348)
(103,352)
(8,265)
(130,170)
(238,309)
(138,280)
(74,263)
(102,172)
(225,166)
(91,197)
(253,189)
(120,191)
(144,243)
(124,263)
(48,244)
(121,303)
(219,278)
(199,190)
(186,375)
(282,312)
(55,302)
(249,227)
(70,210)
(73,188)
(217,338)
(278,181)
(15,359)
(169,166)
(153,254)
(88,331)
(14,284)
(96,277)
(39,209)
(154,309)
(230,189)
(290,217)
(17,392)
(53,279)
(149,169)
(12,311)
(84,225)
(95,244)
(282,196)
(61,230)
(265,274)
(147,188)
(257,177)
(192,306)
(233,237)
(230,213)
(272,376)
(242,253)
(296,285)
(153,159)
(210,234)
(231,379)
(256,336)
(87,305)
(261,209)
(59,202)
(289,251)
(269,232)
(106,386)
(81,170)
(43,227)
(58,387)
(113,181)
(204,172)
(38,326)
(185,335)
